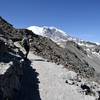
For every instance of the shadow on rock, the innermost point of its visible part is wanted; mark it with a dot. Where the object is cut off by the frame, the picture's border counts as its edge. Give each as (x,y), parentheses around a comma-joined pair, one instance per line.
(10,81)
(29,85)
(38,60)
(20,81)
(7,57)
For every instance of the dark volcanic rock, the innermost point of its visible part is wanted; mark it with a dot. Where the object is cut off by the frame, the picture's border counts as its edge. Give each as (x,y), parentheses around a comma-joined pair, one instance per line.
(9,32)
(97,49)
(3,46)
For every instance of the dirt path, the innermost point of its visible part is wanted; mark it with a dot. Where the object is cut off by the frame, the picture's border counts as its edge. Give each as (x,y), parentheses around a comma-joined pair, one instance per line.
(52,78)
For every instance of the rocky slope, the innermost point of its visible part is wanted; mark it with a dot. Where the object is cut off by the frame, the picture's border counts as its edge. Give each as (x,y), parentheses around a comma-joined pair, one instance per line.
(66,56)
(85,51)
(11,66)
(14,70)
(10,71)
(73,55)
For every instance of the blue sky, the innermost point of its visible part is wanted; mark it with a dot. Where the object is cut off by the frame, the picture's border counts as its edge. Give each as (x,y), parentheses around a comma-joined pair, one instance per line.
(79,18)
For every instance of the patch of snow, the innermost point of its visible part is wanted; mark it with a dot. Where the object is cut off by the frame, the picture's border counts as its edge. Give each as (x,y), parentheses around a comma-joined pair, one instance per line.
(64,33)
(97,43)
(37,30)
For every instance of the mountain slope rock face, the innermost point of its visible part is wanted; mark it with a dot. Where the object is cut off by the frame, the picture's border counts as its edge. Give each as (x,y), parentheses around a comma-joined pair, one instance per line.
(14,69)
(46,48)
(9,32)
(11,66)
(83,50)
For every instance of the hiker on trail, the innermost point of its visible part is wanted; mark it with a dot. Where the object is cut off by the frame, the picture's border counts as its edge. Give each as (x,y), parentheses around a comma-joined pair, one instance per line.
(26,44)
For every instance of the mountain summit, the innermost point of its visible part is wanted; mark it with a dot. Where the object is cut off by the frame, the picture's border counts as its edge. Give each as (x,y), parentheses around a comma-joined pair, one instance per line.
(55,34)
(51,32)
(59,36)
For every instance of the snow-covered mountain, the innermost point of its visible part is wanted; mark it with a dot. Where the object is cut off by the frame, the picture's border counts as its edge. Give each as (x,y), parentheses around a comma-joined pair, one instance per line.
(53,33)
(59,36)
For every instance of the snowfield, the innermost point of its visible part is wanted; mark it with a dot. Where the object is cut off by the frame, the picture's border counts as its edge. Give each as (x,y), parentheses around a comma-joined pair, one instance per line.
(53,84)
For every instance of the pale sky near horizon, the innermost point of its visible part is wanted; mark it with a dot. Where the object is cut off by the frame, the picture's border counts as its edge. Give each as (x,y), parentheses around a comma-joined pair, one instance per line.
(79,18)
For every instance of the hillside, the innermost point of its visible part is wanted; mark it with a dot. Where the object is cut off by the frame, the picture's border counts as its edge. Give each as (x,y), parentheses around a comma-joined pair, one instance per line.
(48,63)
(85,51)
